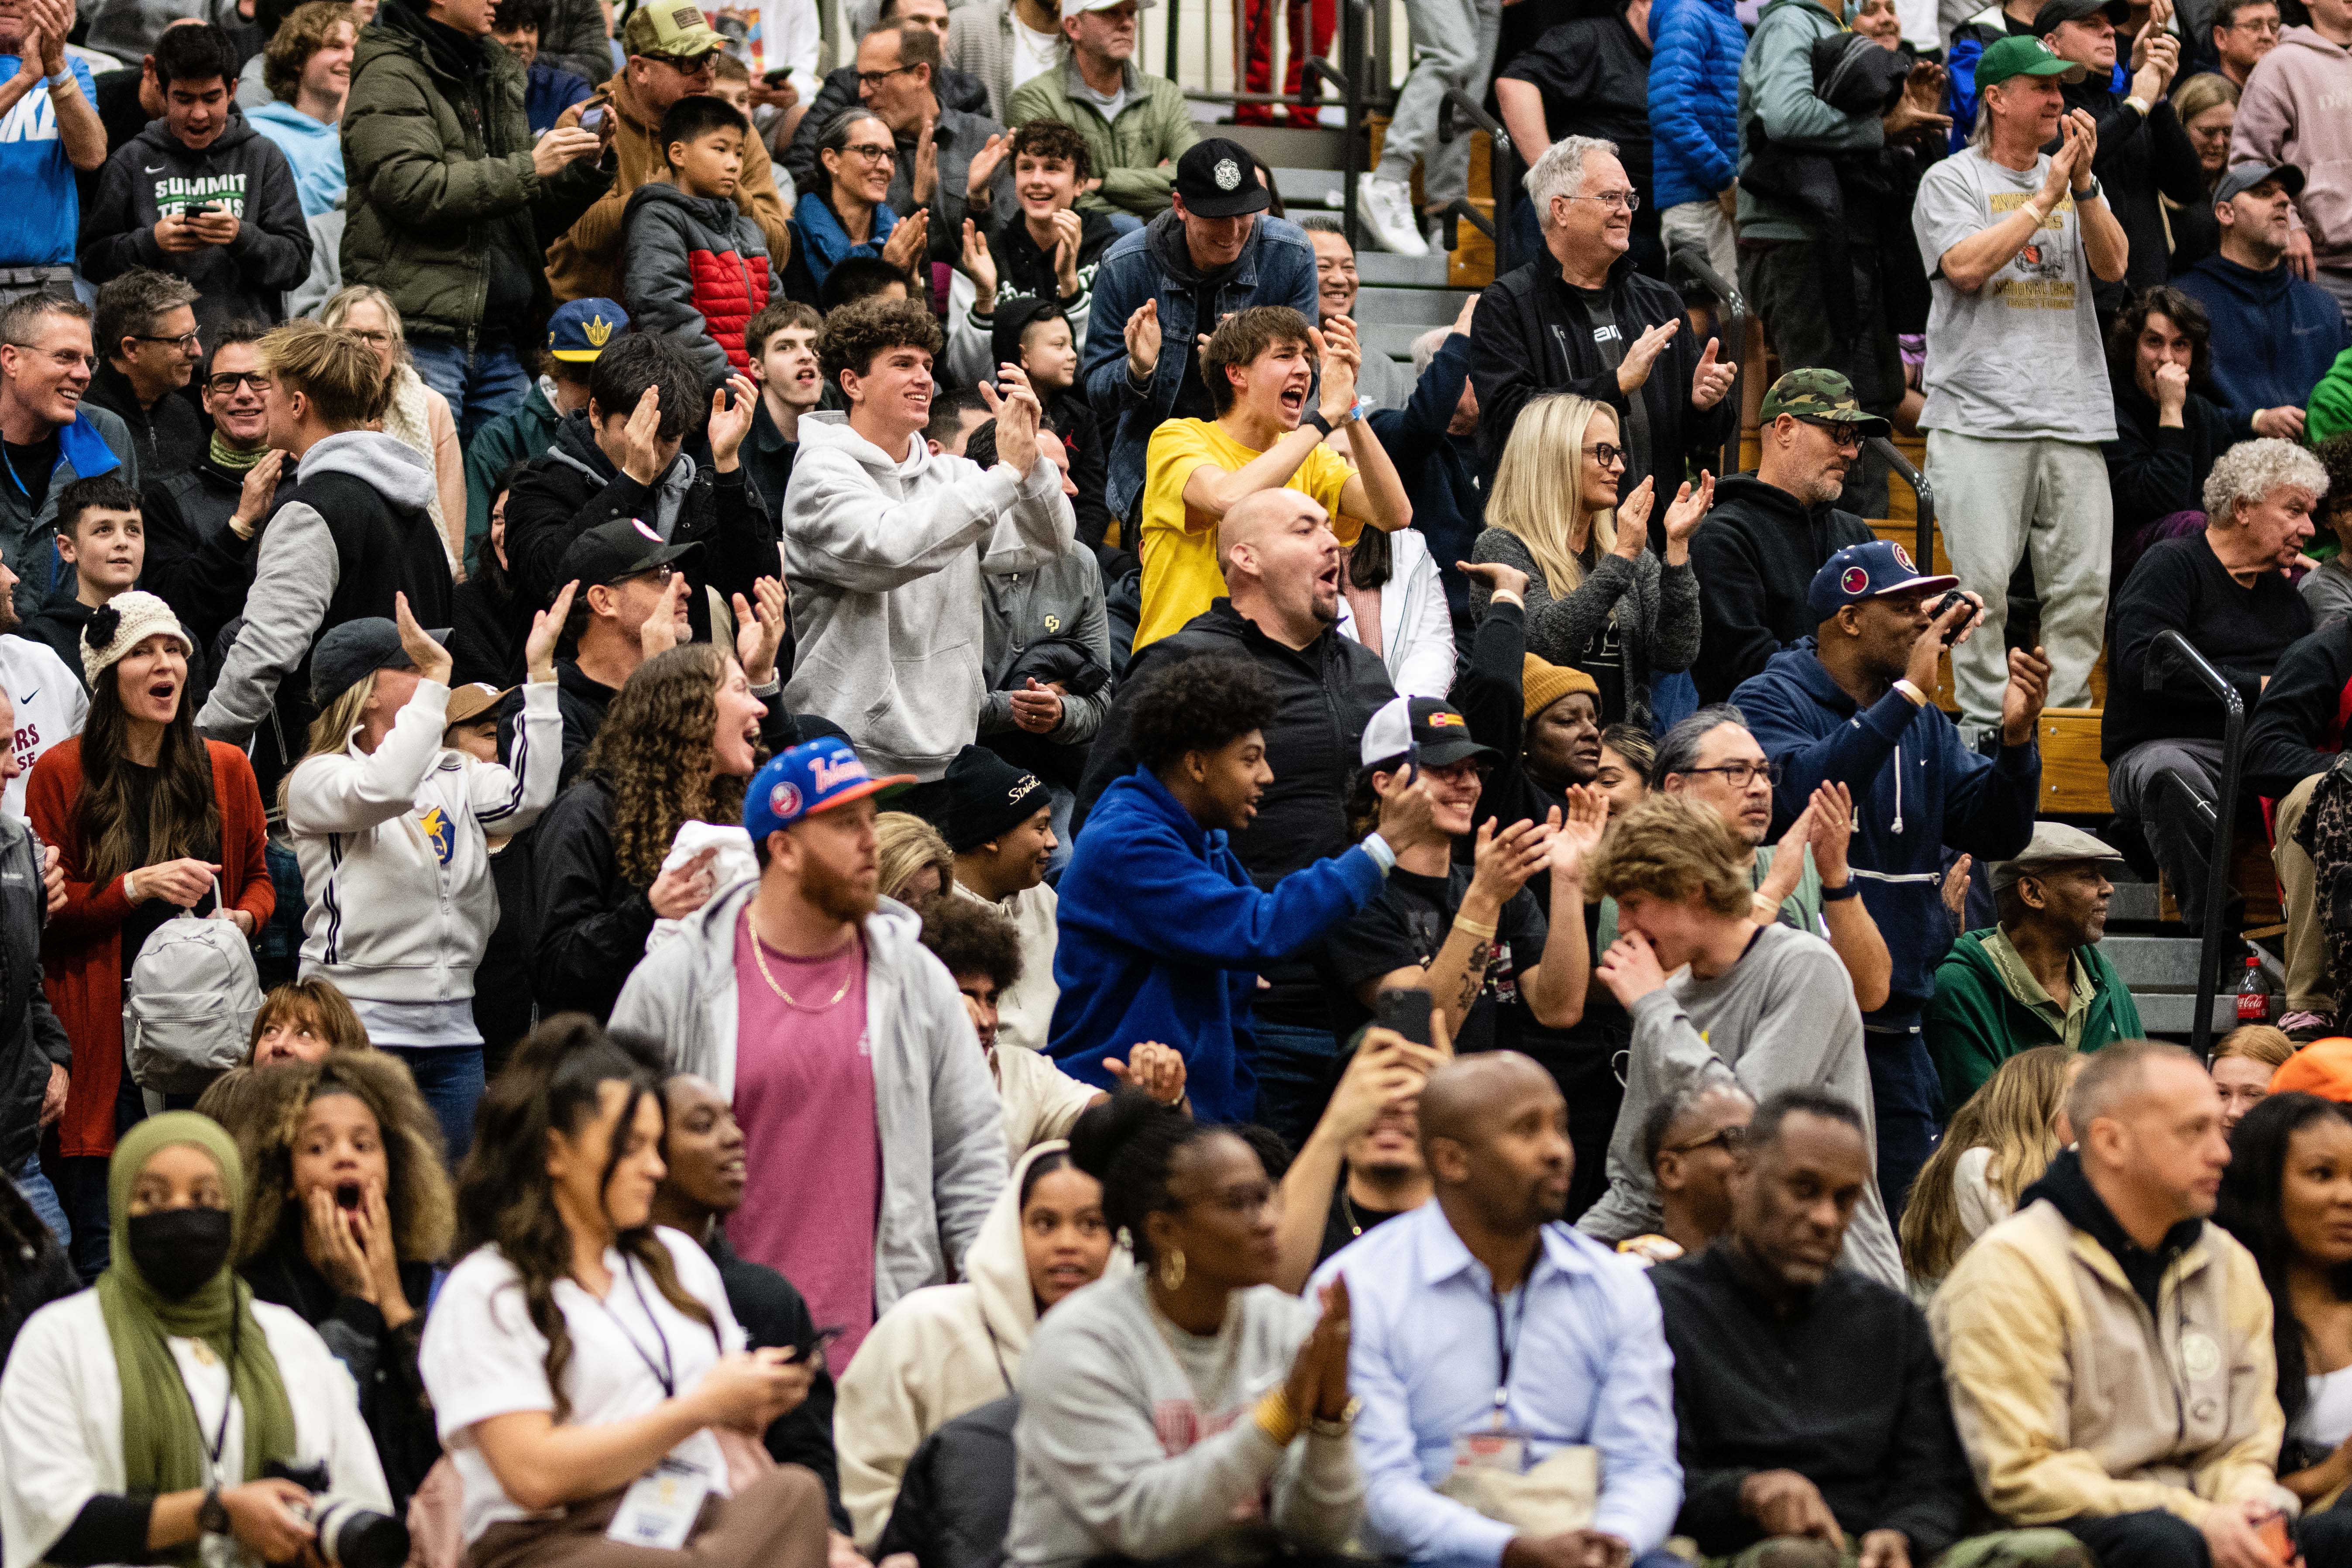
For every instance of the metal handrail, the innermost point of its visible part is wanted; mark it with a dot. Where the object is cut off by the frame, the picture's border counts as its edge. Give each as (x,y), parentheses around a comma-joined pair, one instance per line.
(1459,209)
(1690,261)
(1498,168)
(1354,39)
(1923,496)
(2225,813)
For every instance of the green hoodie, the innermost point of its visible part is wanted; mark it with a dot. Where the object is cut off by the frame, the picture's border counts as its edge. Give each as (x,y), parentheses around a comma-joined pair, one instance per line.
(1777,98)
(1974,1022)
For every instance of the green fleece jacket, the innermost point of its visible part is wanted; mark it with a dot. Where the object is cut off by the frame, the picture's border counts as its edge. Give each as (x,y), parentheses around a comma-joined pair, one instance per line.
(1973,1024)
(1155,124)
(1777,100)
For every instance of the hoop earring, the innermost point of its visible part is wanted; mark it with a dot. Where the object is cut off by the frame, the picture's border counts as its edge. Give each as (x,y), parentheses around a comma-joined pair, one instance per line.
(1171,1270)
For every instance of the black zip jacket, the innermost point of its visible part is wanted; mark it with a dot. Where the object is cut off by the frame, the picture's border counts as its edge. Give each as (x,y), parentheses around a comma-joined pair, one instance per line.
(31,1038)
(168,437)
(776,1316)
(492,626)
(2139,157)
(2295,728)
(1756,553)
(2153,472)
(196,562)
(954,89)
(955,1502)
(1440,471)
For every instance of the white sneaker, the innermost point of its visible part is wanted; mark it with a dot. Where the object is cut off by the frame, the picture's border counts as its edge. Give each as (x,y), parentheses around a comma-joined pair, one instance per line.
(1386,208)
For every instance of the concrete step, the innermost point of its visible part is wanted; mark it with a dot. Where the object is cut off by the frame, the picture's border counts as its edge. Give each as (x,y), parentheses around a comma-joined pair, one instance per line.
(1311,190)
(1286,146)
(1381,269)
(1417,308)
(2175,1012)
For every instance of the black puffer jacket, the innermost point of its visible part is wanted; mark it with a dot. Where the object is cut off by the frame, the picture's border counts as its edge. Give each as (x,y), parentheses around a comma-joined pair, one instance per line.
(955,1504)
(31,1038)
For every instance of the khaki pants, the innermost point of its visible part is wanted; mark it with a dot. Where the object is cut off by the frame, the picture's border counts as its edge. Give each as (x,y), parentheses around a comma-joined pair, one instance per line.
(2310,984)
(777,1521)
(2002,1549)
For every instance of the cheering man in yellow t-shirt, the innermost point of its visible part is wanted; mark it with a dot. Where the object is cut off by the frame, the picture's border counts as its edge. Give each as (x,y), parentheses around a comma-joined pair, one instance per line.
(1260,367)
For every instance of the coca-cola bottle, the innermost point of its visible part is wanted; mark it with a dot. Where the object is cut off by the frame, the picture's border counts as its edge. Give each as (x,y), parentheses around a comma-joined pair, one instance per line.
(2254,994)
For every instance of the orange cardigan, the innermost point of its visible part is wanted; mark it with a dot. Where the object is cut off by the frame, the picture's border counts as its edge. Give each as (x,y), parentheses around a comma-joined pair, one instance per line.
(81,953)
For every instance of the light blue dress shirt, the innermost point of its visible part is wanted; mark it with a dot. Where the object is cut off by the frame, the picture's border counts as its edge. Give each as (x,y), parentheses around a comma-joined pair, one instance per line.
(1589,1364)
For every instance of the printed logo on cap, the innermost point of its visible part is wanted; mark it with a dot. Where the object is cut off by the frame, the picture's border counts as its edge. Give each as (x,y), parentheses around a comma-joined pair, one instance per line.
(1228,175)
(827,772)
(1854,580)
(685,17)
(596,330)
(784,801)
(1902,559)
(1446,721)
(639,524)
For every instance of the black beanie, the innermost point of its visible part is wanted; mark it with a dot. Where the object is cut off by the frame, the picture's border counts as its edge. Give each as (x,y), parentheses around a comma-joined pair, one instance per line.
(1014,317)
(987,796)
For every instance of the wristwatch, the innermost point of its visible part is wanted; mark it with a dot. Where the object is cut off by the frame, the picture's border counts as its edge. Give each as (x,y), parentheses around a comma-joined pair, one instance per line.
(1314,417)
(2090,196)
(212,1514)
(1337,1426)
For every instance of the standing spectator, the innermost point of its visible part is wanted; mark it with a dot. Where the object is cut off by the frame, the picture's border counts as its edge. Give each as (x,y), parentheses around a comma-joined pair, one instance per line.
(201,522)
(577,334)
(2286,118)
(34,1054)
(1855,709)
(782,343)
(885,544)
(147,820)
(1210,256)
(948,163)
(2143,1451)
(548,88)
(696,270)
(2244,32)
(2226,589)
(49,131)
(1769,532)
(1695,117)
(2282,338)
(1453,46)
(1005,43)
(1000,824)
(1588,78)
(1137,126)
(51,438)
(2168,432)
(146,331)
(308,71)
(2018,398)
(881,1065)
(1337,284)
(2037,977)
(226,214)
(1579,320)
(47,700)
(452,204)
(2143,153)
(416,416)
(1043,248)
(956,88)
(2207,105)
(1587,1362)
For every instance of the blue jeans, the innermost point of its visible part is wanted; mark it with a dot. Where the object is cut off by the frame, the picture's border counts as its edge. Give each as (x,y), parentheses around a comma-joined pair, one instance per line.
(1125,223)
(479,387)
(1907,1099)
(44,1199)
(1293,1077)
(450,1080)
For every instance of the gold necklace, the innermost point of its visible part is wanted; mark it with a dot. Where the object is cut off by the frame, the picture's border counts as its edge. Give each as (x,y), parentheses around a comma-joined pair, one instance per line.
(759,957)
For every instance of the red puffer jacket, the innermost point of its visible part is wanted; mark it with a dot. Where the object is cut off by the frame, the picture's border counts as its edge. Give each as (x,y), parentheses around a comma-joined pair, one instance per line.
(694,267)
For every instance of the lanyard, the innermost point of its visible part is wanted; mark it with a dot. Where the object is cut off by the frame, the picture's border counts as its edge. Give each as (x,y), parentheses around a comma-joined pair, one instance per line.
(218,1442)
(1503,1347)
(666,1370)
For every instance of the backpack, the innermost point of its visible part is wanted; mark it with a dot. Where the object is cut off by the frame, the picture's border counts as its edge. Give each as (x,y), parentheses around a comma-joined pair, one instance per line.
(189,1013)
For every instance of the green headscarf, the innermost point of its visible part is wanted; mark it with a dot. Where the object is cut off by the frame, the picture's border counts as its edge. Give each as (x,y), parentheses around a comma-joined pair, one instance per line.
(163,1451)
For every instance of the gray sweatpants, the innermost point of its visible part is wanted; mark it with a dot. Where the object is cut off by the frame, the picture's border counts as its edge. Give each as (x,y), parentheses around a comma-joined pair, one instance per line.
(1997,503)
(1452,45)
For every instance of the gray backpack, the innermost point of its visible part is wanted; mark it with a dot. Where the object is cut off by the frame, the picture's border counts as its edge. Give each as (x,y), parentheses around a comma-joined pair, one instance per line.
(188,1016)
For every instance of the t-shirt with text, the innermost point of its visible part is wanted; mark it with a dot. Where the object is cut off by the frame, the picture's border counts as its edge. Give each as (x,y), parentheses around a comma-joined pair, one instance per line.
(1406,926)
(41,208)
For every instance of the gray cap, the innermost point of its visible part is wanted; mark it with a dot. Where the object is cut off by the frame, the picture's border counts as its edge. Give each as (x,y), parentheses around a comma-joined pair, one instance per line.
(2054,843)
(2246,176)
(350,653)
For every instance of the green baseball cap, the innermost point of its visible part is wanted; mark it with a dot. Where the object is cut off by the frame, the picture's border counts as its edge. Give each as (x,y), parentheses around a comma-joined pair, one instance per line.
(2022,56)
(1819,396)
(675,27)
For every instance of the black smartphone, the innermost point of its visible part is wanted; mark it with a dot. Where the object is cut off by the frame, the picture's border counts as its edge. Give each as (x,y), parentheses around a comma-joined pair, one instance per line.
(200,210)
(817,1340)
(1952,596)
(777,78)
(1405,1009)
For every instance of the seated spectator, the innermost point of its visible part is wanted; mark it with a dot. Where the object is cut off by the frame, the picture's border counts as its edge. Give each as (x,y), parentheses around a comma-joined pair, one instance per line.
(1809,1403)
(1627,756)
(2167,431)
(620,460)
(863,1044)
(146,328)
(1432,440)
(350,1210)
(548,88)
(1044,248)
(45,370)
(1587,77)
(2292,737)
(416,416)
(2281,335)
(962,177)
(577,335)
(147,820)
(915,866)
(1396,606)
(306,72)
(1997,1144)
(1534,331)
(2226,590)
(1337,284)
(885,574)
(1766,1007)
(782,343)
(201,522)
(2037,977)
(301,1023)
(1178,966)
(1261,366)
(102,540)
(109,1413)
(2144,155)
(2279,1199)
(1598,599)
(1137,126)
(2243,31)
(1855,709)
(702,1185)
(1587,1364)
(1106,1395)
(1210,257)
(956,88)
(1361,1166)
(1769,532)
(2329,590)
(571,1149)
(227,215)
(34,1268)
(2208,106)
(1034,335)
(1000,825)
(2242,1064)
(948,1349)
(2094,1421)
(1691,1143)
(696,269)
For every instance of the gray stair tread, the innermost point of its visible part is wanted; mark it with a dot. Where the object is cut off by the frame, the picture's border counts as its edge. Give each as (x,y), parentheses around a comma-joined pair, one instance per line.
(2170,1014)
(1311,188)
(1420,309)
(2132,901)
(2153,961)
(1383,268)
(1290,146)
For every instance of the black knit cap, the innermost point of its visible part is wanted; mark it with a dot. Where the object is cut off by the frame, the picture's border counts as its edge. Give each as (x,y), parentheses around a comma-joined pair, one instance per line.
(988,796)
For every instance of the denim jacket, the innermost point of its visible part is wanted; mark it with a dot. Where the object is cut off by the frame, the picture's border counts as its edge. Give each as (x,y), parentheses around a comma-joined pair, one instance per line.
(1276,267)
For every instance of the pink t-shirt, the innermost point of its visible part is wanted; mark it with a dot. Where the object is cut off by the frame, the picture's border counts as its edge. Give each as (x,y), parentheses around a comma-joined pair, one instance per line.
(804,1094)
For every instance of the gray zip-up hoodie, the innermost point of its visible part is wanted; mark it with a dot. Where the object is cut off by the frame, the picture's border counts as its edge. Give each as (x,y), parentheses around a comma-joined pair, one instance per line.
(941,1128)
(1781,1017)
(886,560)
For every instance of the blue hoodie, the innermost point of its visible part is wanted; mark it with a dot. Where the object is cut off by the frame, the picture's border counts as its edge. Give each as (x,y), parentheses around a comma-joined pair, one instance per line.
(1935,793)
(1162,933)
(2284,333)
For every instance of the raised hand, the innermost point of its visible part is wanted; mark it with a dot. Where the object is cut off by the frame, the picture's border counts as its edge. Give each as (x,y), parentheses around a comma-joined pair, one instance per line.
(1498,577)
(660,632)
(1335,344)
(1578,834)
(983,168)
(979,266)
(431,659)
(925,176)
(565,146)
(1143,341)
(1069,231)
(759,630)
(2022,699)
(1831,809)
(1504,861)
(1712,379)
(640,439)
(1630,969)
(729,423)
(1018,418)
(1643,352)
(905,245)
(1927,649)
(546,628)
(1689,509)
(1788,866)
(256,496)
(1633,519)
(1955,888)
(1155,1068)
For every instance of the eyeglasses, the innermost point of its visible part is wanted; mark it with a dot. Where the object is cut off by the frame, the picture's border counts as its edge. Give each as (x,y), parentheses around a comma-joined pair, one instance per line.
(873,153)
(1615,201)
(1739,775)
(1731,1138)
(228,381)
(1607,455)
(373,340)
(64,359)
(186,342)
(875,79)
(2269,29)
(697,65)
(660,574)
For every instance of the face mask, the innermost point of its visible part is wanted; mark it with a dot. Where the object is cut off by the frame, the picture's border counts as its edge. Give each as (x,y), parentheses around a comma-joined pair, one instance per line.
(178,1250)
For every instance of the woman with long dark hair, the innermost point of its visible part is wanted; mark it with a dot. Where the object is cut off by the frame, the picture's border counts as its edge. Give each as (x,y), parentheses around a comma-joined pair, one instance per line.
(149,819)
(578,1350)
(349,1210)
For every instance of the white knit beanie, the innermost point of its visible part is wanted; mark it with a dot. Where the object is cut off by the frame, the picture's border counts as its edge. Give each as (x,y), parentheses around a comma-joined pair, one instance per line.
(122,623)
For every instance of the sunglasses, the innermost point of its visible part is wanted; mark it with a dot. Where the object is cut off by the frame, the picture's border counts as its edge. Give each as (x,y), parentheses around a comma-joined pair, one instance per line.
(1732,1140)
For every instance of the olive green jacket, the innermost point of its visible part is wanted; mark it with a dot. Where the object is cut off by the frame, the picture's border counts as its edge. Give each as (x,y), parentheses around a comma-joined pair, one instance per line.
(1156,123)
(440,172)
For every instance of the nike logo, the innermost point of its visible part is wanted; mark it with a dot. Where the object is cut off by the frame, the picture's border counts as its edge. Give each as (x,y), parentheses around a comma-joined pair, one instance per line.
(30,695)
(154,168)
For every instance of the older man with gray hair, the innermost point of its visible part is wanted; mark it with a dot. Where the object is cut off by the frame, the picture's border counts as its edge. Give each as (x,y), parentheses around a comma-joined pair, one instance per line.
(1578,319)
(2226,590)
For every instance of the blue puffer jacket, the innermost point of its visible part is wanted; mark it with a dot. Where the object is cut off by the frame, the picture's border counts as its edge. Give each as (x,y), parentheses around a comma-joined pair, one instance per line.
(1695,50)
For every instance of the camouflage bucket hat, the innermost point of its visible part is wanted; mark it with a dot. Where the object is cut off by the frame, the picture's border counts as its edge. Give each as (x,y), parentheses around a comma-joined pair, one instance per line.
(1819,397)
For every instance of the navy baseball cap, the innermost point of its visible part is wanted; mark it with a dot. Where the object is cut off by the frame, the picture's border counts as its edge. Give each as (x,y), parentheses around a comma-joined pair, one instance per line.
(813,777)
(579,331)
(1869,571)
